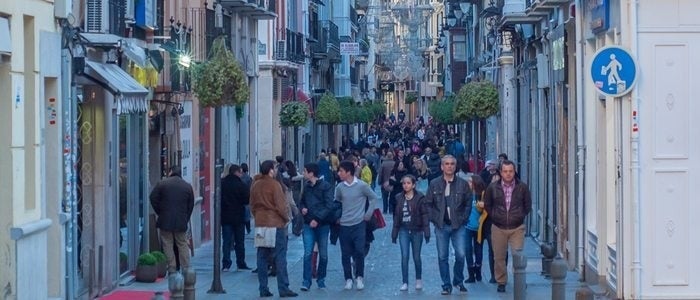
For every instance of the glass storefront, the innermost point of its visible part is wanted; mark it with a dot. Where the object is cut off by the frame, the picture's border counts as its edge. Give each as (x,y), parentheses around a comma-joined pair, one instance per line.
(132,195)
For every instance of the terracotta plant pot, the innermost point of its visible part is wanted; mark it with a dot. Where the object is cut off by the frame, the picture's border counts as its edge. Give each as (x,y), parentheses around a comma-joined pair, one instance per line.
(146,273)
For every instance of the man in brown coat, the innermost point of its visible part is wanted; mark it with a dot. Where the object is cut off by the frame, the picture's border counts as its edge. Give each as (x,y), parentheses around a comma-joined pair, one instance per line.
(269,208)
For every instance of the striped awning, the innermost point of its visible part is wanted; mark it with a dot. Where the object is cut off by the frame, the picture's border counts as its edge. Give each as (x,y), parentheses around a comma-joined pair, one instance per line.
(130,96)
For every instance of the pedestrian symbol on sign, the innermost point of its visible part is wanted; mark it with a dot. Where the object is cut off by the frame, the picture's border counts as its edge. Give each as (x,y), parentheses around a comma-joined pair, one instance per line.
(613,71)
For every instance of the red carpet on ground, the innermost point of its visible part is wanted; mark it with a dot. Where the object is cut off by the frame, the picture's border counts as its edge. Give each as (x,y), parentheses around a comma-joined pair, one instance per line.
(132,295)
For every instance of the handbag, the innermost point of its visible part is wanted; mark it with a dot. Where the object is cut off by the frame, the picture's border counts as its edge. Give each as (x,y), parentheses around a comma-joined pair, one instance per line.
(378,219)
(265,237)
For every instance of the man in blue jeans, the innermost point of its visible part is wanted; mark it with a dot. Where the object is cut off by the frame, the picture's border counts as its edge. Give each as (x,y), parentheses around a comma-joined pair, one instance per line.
(315,204)
(357,200)
(449,200)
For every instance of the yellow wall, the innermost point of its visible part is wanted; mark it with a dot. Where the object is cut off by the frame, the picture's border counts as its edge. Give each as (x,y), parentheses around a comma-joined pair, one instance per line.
(21,141)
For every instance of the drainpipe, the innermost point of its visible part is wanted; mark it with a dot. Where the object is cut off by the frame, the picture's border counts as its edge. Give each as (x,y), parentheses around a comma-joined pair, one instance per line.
(635,165)
(580,142)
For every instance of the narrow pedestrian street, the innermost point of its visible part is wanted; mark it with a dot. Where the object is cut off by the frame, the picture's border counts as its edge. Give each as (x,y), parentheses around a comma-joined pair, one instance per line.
(382,279)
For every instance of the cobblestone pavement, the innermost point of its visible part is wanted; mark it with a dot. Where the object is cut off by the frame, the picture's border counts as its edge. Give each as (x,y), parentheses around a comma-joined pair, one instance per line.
(382,275)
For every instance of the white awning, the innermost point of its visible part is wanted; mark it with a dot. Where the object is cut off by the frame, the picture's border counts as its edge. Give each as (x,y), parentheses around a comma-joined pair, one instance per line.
(5,42)
(129,94)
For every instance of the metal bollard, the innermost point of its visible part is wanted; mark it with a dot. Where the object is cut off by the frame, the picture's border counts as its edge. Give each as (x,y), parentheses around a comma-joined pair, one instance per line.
(190,280)
(176,285)
(519,265)
(558,271)
(158,296)
(548,253)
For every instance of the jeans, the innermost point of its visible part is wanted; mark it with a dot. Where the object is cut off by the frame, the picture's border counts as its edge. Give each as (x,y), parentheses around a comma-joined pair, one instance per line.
(237,232)
(385,200)
(312,236)
(415,239)
(279,252)
(475,250)
(352,244)
(442,240)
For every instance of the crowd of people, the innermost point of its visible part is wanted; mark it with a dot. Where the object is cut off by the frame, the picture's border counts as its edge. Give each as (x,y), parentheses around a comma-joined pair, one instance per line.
(425,177)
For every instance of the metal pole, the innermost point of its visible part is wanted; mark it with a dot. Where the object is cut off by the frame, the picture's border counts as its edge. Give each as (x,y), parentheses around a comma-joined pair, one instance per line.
(67,91)
(216,287)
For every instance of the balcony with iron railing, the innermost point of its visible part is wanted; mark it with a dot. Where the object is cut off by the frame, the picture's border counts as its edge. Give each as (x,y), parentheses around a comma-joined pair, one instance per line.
(328,45)
(314,31)
(256,9)
(291,48)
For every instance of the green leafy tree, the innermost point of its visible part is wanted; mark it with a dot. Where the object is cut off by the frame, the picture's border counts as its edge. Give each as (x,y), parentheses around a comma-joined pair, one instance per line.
(328,110)
(220,81)
(442,111)
(411,97)
(477,99)
(349,111)
(365,113)
(294,114)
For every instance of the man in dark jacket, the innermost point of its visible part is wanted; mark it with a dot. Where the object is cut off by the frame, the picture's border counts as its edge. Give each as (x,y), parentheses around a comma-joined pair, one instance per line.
(173,200)
(234,197)
(507,202)
(316,202)
(449,200)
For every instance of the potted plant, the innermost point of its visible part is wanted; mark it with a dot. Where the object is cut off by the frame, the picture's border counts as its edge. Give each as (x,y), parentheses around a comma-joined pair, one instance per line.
(328,110)
(220,80)
(123,262)
(161,263)
(146,269)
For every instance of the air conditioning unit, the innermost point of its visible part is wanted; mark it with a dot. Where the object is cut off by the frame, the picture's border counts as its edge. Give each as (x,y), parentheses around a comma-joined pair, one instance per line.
(96,17)
(281,49)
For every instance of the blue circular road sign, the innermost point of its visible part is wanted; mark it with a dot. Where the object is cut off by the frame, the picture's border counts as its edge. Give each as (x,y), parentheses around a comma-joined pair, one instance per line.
(614,71)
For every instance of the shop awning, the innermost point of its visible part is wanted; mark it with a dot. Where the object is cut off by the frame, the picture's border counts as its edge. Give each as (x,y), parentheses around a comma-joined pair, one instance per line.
(129,94)
(5,42)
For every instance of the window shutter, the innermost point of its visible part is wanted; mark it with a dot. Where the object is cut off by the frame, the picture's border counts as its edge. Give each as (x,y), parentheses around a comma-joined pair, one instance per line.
(94,19)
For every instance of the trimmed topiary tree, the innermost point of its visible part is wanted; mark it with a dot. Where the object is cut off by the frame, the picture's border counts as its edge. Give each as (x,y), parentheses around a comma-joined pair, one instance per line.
(328,110)
(442,111)
(411,97)
(477,99)
(293,114)
(220,81)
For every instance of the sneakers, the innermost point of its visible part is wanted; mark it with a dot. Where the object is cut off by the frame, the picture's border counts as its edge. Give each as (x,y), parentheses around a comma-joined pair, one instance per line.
(446,290)
(305,287)
(348,284)
(419,284)
(360,283)
(404,287)
(461,287)
(321,284)
(501,288)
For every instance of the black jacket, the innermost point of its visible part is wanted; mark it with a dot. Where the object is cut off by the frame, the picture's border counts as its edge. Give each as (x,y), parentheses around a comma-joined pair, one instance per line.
(235,195)
(172,200)
(435,200)
(520,205)
(318,200)
(420,215)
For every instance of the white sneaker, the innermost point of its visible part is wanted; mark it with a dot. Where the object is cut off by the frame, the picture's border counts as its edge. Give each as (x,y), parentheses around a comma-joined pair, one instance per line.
(348,284)
(404,287)
(419,284)
(360,283)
